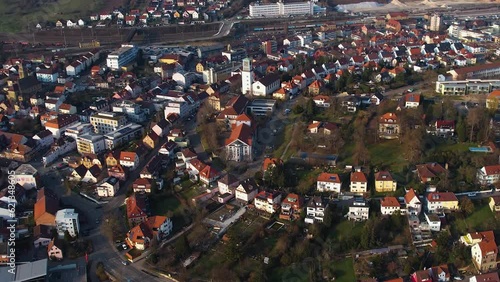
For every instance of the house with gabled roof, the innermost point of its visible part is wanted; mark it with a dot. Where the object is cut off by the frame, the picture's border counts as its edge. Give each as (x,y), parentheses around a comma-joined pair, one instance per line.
(315,210)
(129,160)
(328,182)
(390,205)
(246,191)
(291,207)
(412,202)
(430,172)
(388,126)
(358,183)
(137,208)
(208,175)
(227,186)
(439,202)
(484,251)
(46,207)
(384,182)
(55,249)
(267,201)
(142,185)
(488,175)
(118,172)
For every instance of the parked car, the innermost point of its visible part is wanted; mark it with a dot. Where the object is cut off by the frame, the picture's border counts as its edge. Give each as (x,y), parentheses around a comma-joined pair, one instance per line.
(124,262)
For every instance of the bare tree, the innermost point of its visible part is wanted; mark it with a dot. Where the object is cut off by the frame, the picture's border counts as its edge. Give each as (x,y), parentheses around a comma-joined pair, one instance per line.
(473,118)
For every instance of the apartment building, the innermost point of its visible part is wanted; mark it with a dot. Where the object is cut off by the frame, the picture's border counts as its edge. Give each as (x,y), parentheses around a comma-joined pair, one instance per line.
(105,122)
(90,144)
(466,87)
(488,175)
(121,57)
(67,220)
(280,9)
(359,210)
(267,201)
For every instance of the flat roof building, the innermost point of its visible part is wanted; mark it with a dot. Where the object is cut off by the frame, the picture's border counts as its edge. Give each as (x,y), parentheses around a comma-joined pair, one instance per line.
(122,56)
(261,107)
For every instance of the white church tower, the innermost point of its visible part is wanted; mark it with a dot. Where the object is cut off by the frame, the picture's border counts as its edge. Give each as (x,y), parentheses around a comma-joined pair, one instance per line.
(246,76)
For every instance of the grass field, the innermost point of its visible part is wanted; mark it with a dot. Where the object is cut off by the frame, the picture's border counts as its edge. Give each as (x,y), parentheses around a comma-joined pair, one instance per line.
(387,154)
(17,15)
(344,270)
(481,220)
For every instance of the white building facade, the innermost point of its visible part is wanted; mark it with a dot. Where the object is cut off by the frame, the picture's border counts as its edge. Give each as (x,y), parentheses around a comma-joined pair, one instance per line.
(67,220)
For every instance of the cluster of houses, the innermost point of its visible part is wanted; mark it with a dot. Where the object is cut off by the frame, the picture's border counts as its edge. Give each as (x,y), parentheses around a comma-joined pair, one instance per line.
(157,11)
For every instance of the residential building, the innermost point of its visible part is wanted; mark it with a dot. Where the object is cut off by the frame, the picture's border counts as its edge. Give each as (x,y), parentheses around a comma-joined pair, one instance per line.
(390,205)
(412,202)
(412,100)
(494,203)
(493,100)
(90,144)
(484,254)
(429,172)
(151,140)
(291,207)
(478,71)
(59,124)
(121,57)
(55,249)
(49,75)
(445,128)
(108,187)
(315,210)
(123,135)
(131,110)
(267,201)
(84,174)
(239,143)
(388,126)
(105,122)
(208,175)
(384,182)
(359,183)
(487,277)
(78,129)
(436,22)
(488,175)
(142,185)
(438,202)
(246,191)
(139,237)
(67,220)
(42,235)
(46,206)
(328,182)
(137,208)
(466,87)
(27,176)
(359,210)
(129,160)
(227,186)
(280,9)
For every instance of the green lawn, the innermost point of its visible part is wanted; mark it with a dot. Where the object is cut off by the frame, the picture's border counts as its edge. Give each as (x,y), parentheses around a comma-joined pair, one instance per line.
(346,229)
(482,219)
(162,204)
(283,138)
(387,154)
(17,15)
(344,270)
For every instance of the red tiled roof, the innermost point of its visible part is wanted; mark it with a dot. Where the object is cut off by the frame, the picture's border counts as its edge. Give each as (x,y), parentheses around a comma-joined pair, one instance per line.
(383,176)
(390,202)
(358,176)
(241,132)
(329,177)
(410,195)
(441,197)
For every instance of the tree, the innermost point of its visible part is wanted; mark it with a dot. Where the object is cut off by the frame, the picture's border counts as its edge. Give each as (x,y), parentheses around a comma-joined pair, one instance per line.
(181,246)
(461,130)
(473,118)
(466,206)
(310,109)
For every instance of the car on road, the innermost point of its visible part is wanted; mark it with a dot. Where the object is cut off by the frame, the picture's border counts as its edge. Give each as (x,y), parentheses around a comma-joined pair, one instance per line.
(124,262)
(124,246)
